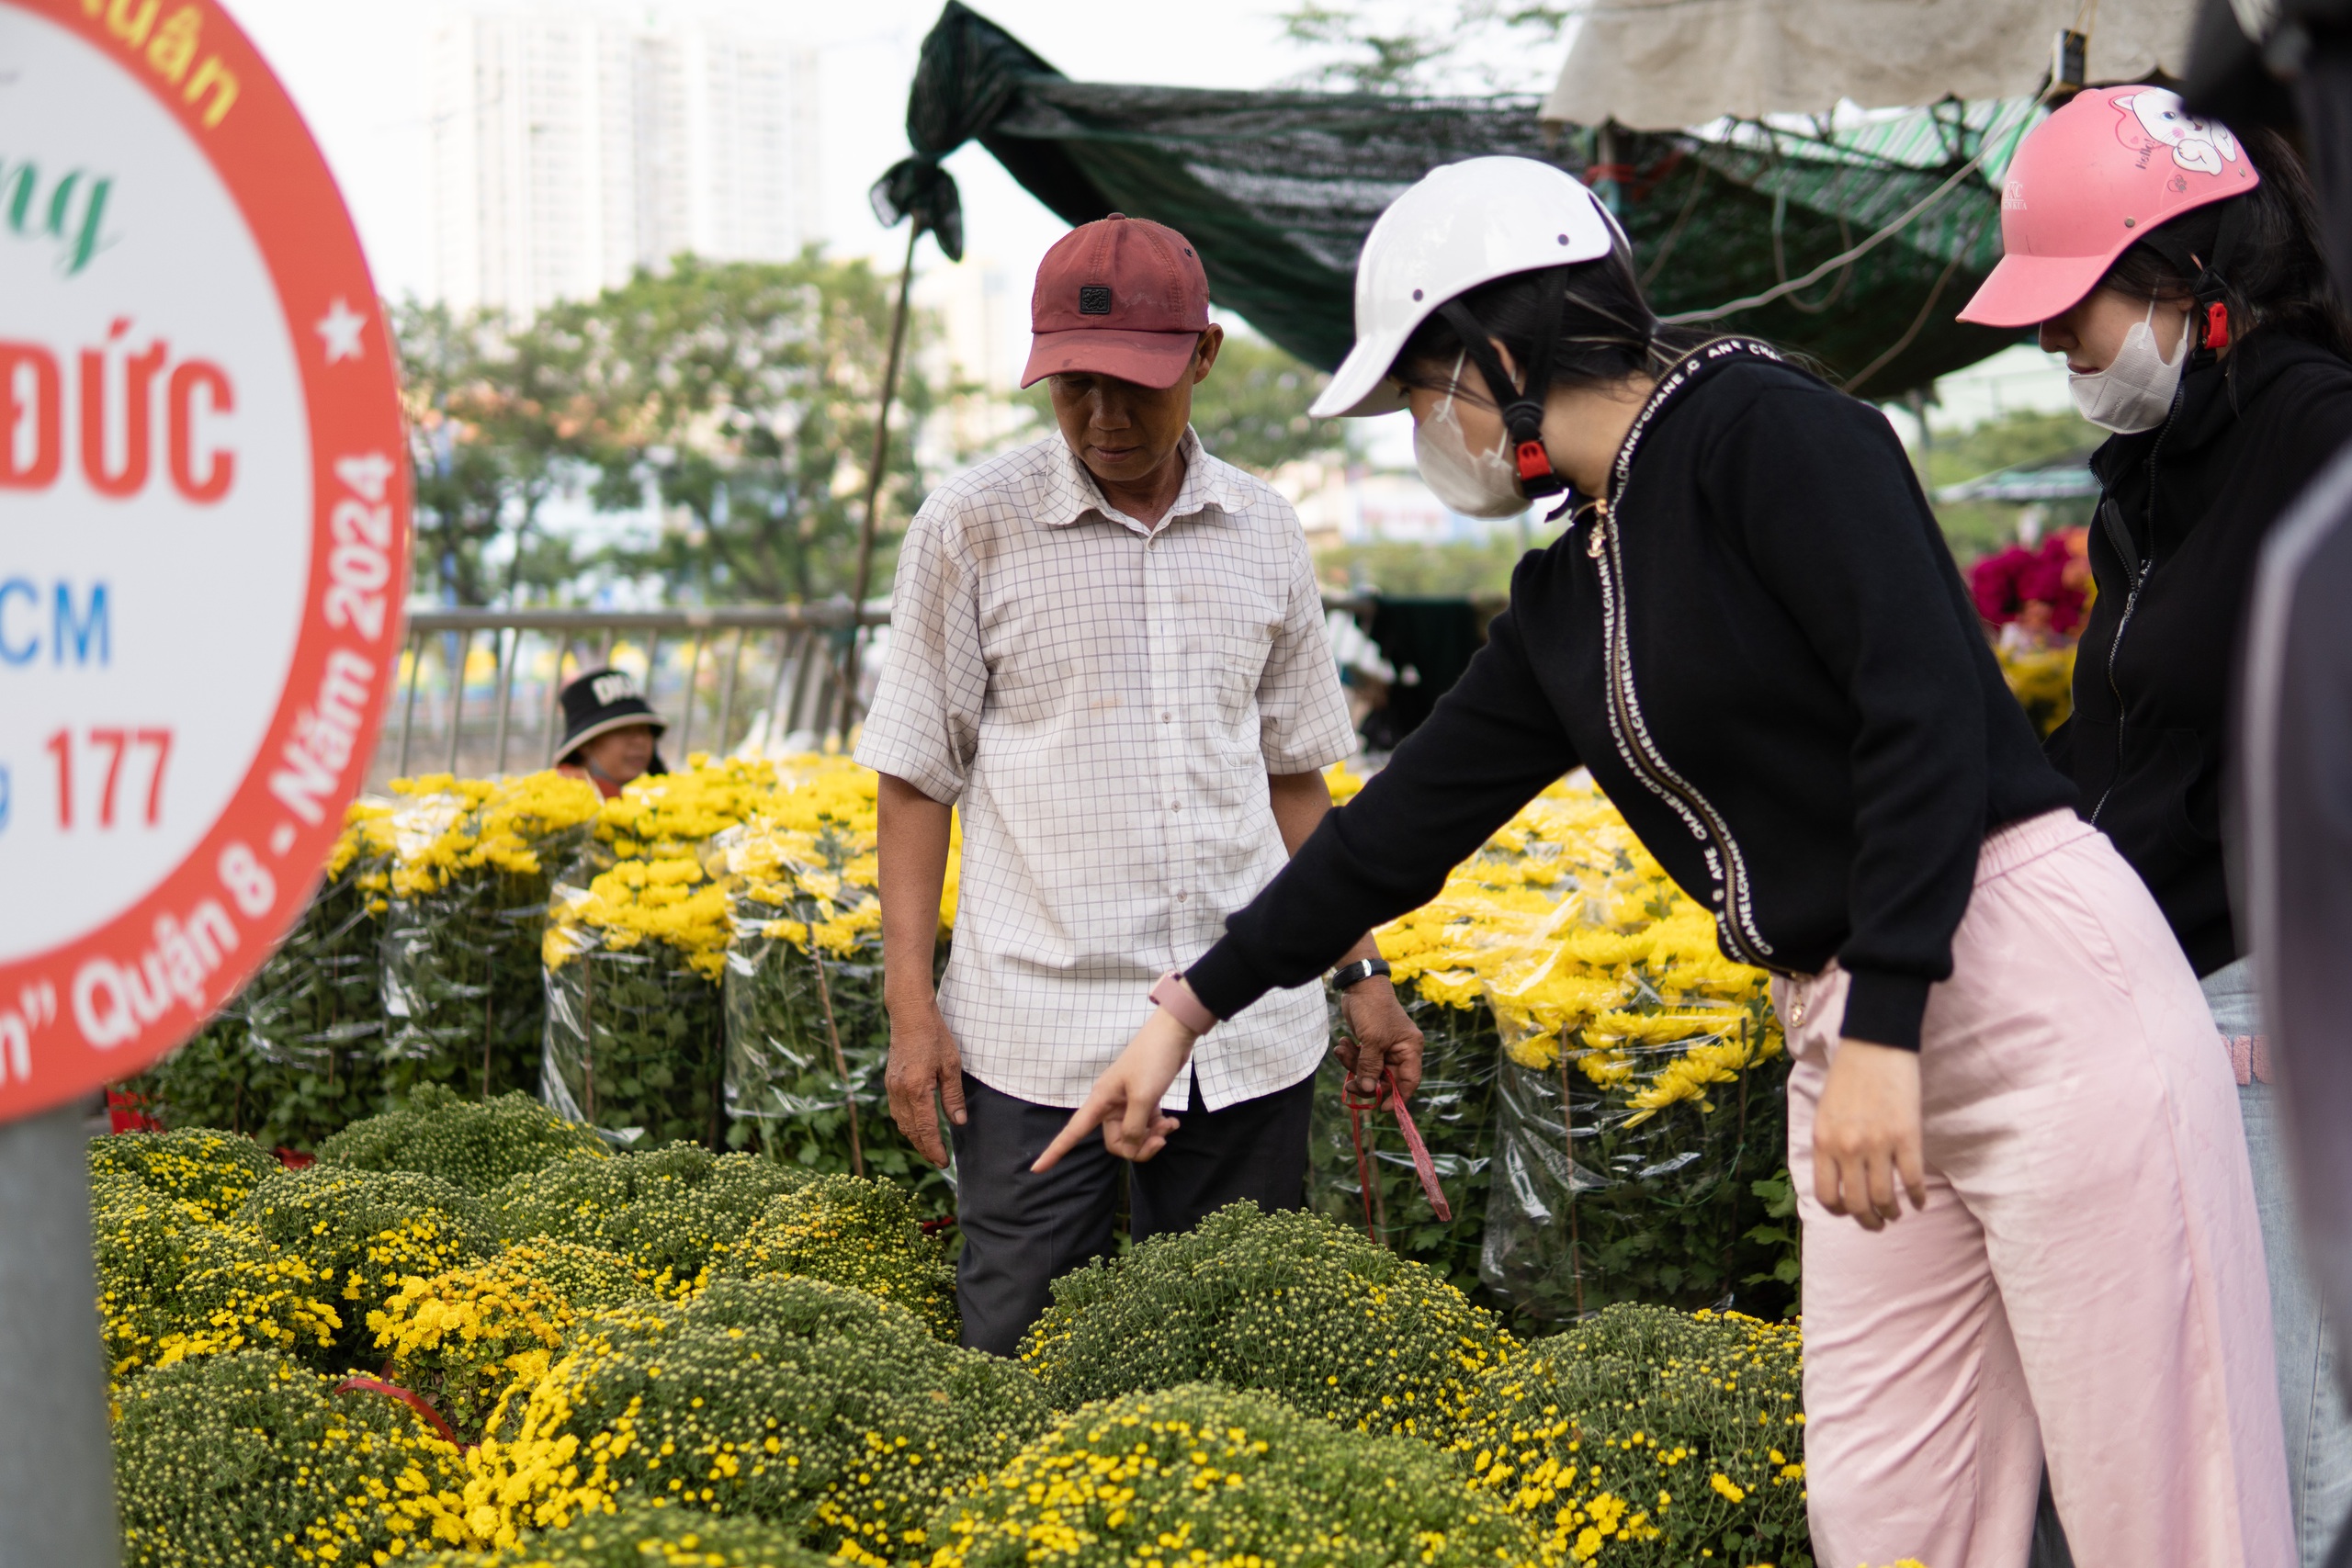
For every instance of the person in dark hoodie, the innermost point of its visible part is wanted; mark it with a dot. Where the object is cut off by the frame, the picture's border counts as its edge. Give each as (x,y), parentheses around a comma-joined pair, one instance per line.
(1754,635)
(2176,266)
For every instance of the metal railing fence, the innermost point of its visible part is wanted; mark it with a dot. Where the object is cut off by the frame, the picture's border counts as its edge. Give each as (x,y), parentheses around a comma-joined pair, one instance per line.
(480,691)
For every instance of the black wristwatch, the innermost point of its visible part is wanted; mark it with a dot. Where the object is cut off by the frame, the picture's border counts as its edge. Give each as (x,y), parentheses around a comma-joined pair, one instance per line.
(1356,974)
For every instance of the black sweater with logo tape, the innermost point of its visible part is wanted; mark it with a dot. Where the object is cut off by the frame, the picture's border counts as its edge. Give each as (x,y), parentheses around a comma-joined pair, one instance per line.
(2186,509)
(1762,650)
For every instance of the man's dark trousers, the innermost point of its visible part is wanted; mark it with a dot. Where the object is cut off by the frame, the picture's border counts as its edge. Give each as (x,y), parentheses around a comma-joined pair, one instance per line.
(1022,1231)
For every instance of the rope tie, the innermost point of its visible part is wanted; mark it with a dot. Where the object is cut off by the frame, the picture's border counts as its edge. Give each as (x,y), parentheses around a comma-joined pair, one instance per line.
(409,1397)
(1422,1167)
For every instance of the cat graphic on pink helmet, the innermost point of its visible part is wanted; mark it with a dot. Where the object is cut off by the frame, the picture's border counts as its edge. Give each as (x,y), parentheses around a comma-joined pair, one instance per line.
(2153,118)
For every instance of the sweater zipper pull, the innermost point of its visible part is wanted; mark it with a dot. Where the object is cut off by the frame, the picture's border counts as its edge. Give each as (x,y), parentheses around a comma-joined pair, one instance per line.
(1593,542)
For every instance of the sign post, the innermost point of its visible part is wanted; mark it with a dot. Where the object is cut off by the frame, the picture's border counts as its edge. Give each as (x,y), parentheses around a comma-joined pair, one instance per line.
(203,557)
(56,1464)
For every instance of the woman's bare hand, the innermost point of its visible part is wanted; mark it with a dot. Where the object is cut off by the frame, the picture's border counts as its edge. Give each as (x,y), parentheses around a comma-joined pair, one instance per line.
(1866,1134)
(1125,1101)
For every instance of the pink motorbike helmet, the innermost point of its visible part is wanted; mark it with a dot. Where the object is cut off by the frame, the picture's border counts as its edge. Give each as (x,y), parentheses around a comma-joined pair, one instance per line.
(2104,172)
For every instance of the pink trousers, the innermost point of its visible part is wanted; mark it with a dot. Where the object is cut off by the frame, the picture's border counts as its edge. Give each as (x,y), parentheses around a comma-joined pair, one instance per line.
(2085,1282)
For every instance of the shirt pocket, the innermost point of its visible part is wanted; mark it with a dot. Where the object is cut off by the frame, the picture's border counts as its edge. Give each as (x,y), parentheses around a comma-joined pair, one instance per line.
(1230,650)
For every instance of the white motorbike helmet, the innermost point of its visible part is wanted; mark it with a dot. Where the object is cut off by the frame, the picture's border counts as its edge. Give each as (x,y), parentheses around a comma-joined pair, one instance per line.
(1454,228)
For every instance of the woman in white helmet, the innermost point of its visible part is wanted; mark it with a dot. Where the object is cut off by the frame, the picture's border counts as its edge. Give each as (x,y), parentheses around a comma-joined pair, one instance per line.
(1752,634)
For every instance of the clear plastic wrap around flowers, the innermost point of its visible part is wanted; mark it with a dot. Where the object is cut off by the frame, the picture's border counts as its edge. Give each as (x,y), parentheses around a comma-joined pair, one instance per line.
(807,1041)
(635,1038)
(1454,1110)
(317,1003)
(634,1045)
(1434,953)
(808,1036)
(1562,928)
(636,942)
(297,1053)
(2042,681)
(1638,1104)
(1599,1195)
(464,1004)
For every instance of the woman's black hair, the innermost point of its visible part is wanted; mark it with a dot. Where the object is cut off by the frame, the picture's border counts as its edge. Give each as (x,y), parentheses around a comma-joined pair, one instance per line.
(1606,333)
(2276,278)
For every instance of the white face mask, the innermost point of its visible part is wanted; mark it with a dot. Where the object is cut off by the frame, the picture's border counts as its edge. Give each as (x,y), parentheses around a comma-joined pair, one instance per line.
(2133,394)
(1475,484)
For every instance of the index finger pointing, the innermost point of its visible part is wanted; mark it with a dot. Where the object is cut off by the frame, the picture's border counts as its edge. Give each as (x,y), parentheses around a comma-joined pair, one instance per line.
(1082,1121)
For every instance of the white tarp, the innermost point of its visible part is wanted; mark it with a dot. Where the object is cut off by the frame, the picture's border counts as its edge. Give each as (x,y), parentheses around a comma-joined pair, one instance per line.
(1663,64)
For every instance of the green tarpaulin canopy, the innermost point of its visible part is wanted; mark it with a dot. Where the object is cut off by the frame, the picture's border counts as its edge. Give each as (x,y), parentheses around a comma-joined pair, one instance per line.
(1277,190)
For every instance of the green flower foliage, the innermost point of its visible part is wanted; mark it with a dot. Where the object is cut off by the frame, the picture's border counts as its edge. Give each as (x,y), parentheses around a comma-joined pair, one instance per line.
(176,1277)
(171,1286)
(224,1078)
(1201,1474)
(585,1279)
(785,1006)
(363,1230)
(209,1169)
(1291,1304)
(464,1337)
(813,1406)
(671,1210)
(1654,1437)
(248,1461)
(857,1233)
(648,1535)
(472,1144)
(637,1041)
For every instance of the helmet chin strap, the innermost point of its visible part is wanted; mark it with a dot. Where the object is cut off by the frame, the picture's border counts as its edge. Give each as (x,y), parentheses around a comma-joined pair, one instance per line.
(1523,415)
(2210,311)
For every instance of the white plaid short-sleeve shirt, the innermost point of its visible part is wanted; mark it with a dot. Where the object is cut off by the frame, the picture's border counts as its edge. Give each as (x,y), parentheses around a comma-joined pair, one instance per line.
(1102,703)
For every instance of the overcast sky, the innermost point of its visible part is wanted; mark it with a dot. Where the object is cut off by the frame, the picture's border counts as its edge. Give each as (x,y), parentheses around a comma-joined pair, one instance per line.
(356,68)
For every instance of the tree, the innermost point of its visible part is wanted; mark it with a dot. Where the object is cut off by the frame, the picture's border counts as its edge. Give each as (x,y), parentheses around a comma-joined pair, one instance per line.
(1977,528)
(1251,410)
(1389,46)
(743,395)
(1446,570)
(491,425)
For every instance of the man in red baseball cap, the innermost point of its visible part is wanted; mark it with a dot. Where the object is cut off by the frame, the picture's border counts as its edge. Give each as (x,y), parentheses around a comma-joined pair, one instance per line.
(1107,656)
(1121,325)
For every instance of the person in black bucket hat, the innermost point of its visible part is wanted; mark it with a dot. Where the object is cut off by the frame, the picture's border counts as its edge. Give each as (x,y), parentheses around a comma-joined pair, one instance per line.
(608,732)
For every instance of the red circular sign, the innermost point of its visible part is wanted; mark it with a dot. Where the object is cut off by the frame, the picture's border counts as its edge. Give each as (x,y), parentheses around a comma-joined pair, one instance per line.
(203,529)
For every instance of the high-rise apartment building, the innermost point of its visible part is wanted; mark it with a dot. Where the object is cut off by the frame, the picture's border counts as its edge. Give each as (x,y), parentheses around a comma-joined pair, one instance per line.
(571,145)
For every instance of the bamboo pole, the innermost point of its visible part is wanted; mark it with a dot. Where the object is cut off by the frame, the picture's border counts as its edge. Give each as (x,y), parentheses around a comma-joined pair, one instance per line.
(841,1060)
(874,483)
(1568,1142)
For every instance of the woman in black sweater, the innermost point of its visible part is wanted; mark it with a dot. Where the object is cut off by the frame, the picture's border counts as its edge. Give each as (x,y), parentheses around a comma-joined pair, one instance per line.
(2209,342)
(1753,635)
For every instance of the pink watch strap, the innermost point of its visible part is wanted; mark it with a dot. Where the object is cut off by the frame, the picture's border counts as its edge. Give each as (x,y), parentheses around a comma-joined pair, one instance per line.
(1171,993)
